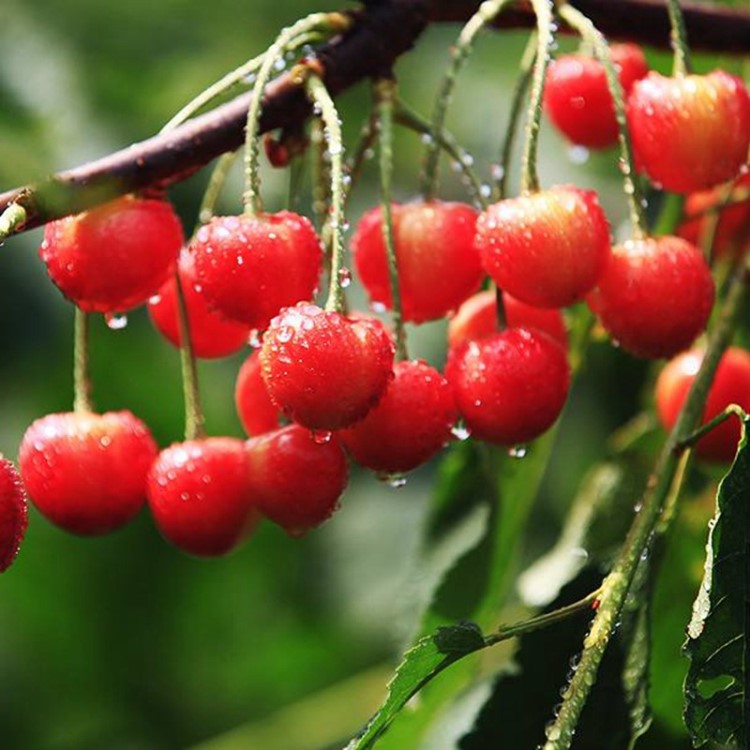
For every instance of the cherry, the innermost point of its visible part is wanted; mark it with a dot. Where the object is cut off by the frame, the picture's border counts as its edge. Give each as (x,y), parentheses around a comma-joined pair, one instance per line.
(200,496)
(510,387)
(438,265)
(257,413)
(325,371)
(690,132)
(477,319)
(548,248)
(13,513)
(655,296)
(210,334)
(733,225)
(115,256)
(409,426)
(296,481)
(249,267)
(577,97)
(86,472)
(731,385)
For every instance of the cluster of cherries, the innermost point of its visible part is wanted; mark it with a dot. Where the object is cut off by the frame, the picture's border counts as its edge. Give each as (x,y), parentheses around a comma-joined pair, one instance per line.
(332,375)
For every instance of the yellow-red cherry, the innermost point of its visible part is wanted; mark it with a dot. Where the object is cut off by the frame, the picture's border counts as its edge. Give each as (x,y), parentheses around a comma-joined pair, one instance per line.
(548,248)
(113,257)
(655,296)
(296,477)
(200,496)
(438,265)
(86,472)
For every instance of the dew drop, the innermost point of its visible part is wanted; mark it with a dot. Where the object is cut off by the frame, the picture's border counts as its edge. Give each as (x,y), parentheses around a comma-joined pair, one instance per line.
(345,277)
(461,432)
(154,299)
(578,154)
(377,307)
(518,451)
(392,480)
(116,321)
(497,172)
(254,339)
(321,437)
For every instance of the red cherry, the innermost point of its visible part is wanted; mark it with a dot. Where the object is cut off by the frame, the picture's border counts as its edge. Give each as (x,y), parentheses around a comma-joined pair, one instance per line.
(249,267)
(211,335)
(325,371)
(577,98)
(691,132)
(549,248)
(200,496)
(477,319)
(437,263)
(655,296)
(257,413)
(733,226)
(731,385)
(87,472)
(409,426)
(113,257)
(510,387)
(13,513)
(296,481)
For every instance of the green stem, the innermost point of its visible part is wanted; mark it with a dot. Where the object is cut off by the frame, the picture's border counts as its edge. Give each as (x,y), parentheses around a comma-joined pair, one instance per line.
(319,94)
(681,65)
(11,219)
(82,401)
(459,54)
(194,420)
(731,411)
(407,117)
(331,22)
(385,91)
(502,318)
(321,178)
(504,632)
(529,176)
(518,97)
(615,587)
(215,184)
(595,38)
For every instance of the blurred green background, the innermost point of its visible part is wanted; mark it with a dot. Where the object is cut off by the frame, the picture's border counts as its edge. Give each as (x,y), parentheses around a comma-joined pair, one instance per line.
(123,642)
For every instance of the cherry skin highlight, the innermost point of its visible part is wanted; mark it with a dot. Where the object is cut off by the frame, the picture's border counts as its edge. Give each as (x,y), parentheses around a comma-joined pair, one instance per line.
(547,249)
(113,257)
(200,497)
(577,98)
(477,319)
(655,296)
(323,370)
(510,387)
(296,480)
(257,413)
(13,513)
(410,425)
(731,385)
(249,267)
(438,264)
(210,334)
(691,132)
(86,472)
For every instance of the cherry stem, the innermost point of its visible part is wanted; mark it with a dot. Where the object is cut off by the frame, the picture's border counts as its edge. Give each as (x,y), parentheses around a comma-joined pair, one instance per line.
(518,96)
(321,178)
(502,317)
(215,184)
(317,91)
(407,117)
(286,40)
(385,92)
(617,584)
(678,36)
(11,220)
(545,40)
(590,34)
(82,400)
(460,52)
(731,411)
(194,419)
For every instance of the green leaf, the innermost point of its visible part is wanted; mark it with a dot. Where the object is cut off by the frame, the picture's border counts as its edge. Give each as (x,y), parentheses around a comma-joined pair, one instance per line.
(717,686)
(427,658)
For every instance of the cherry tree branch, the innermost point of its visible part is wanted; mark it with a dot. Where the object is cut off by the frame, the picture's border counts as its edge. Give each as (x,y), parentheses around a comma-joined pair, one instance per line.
(382,31)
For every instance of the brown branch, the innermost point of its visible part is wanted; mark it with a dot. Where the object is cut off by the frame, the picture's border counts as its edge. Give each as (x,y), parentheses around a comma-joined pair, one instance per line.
(381,33)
